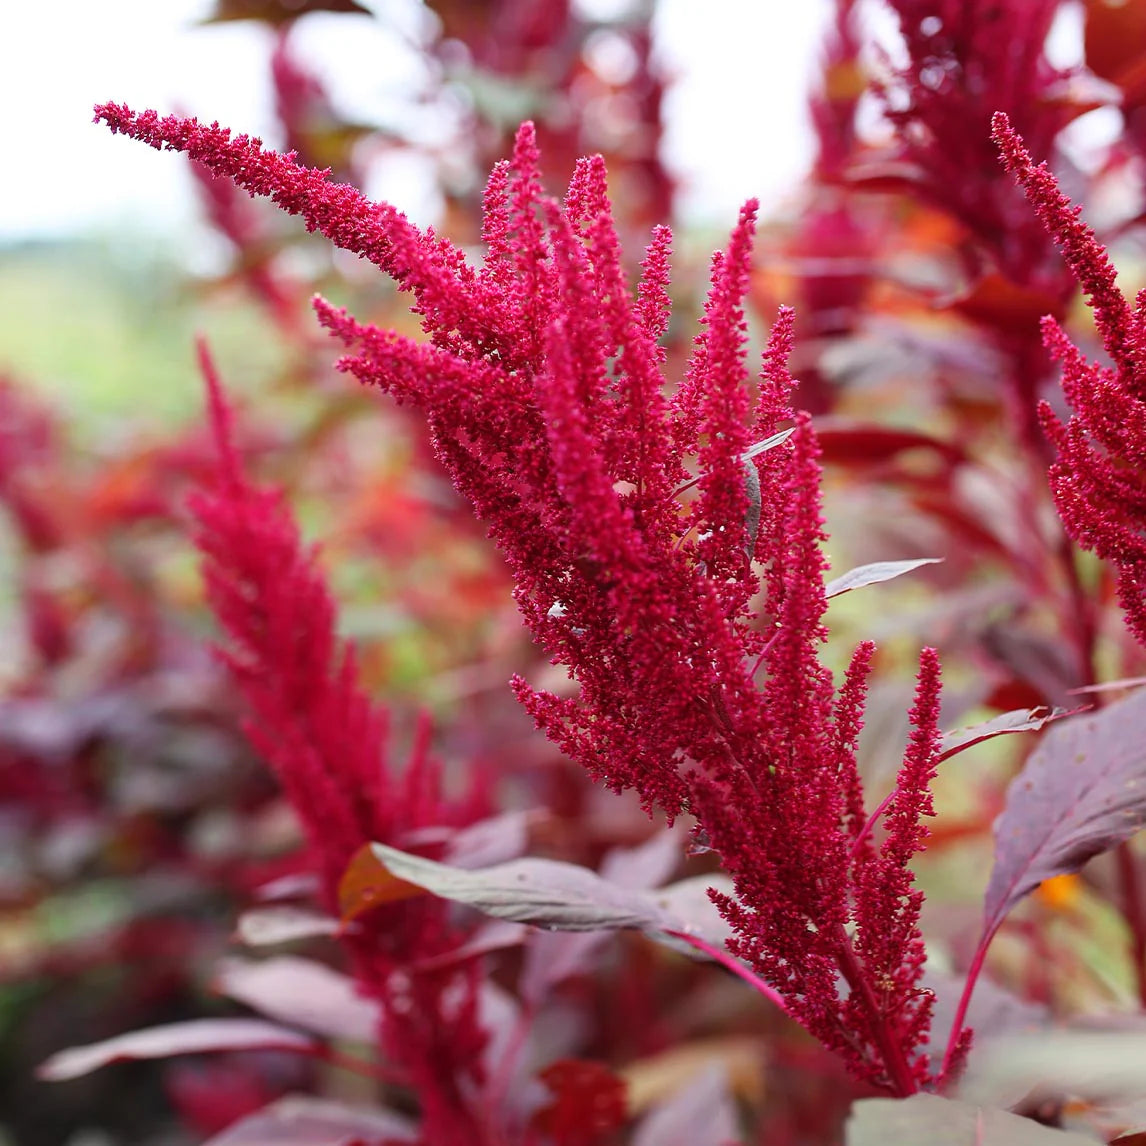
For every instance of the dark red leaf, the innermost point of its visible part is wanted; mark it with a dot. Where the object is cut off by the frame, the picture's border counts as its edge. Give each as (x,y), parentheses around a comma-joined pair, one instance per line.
(859,443)
(1081,792)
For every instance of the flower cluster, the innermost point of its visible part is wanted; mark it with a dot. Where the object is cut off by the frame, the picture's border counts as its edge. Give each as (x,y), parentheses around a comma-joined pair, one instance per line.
(967,59)
(313,723)
(543,385)
(1096,478)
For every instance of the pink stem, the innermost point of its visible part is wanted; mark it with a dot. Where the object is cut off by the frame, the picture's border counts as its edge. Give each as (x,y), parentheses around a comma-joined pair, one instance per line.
(973,973)
(1133,913)
(732,964)
(898,1069)
(499,1084)
(869,827)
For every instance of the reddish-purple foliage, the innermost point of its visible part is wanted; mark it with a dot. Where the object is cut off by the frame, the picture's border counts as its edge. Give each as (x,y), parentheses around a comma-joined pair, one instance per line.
(543,387)
(1096,478)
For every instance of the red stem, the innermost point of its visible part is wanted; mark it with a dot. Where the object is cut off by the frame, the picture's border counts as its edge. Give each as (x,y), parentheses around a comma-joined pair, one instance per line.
(732,964)
(903,1083)
(1132,909)
(957,1024)
(869,827)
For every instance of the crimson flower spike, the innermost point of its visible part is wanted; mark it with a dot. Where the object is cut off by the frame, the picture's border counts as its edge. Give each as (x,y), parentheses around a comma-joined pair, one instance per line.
(314,724)
(1097,478)
(542,382)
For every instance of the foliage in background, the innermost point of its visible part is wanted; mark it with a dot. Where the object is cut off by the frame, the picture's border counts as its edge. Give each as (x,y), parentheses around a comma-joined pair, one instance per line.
(920,277)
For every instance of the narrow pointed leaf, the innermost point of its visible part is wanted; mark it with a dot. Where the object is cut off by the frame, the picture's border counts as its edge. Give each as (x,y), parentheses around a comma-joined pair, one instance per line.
(560,896)
(767,444)
(302,992)
(282,923)
(872,574)
(1017,720)
(1081,792)
(196,1036)
(753,451)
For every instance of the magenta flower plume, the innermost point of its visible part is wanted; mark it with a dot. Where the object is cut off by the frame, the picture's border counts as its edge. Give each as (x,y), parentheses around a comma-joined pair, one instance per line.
(314,724)
(965,60)
(1097,478)
(309,718)
(542,382)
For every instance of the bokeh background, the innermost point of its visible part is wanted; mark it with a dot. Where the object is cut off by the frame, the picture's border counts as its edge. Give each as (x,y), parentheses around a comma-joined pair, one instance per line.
(136,823)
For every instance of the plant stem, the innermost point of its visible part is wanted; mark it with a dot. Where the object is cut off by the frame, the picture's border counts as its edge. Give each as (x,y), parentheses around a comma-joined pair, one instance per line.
(362,1066)
(899,1072)
(731,963)
(1132,910)
(973,973)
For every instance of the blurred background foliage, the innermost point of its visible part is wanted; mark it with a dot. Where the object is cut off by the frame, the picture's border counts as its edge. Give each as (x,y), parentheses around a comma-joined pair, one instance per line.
(135,822)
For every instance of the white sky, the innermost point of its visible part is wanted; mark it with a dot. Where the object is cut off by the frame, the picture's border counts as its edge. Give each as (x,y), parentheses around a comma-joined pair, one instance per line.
(736,124)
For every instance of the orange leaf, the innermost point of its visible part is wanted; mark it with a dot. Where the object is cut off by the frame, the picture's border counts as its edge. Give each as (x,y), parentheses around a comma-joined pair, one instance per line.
(366,884)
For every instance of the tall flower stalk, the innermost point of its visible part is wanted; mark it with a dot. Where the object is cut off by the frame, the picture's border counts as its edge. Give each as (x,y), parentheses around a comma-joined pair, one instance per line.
(1096,477)
(326,741)
(691,624)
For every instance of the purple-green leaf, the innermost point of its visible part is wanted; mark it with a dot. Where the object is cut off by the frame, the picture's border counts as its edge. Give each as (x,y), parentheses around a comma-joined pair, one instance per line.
(550,894)
(1049,1066)
(1081,792)
(552,957)
(301,992)
(1017,720)
(196,1036)
(872,574)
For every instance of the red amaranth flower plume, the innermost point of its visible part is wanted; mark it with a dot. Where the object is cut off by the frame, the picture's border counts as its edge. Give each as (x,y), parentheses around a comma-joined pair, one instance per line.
(542,382)
(967,59)
(316,727)
(1097,477)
